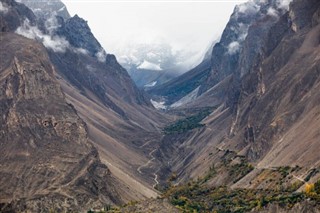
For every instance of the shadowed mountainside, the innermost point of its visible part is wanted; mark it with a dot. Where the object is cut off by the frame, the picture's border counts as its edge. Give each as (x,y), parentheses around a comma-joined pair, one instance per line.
(60,168)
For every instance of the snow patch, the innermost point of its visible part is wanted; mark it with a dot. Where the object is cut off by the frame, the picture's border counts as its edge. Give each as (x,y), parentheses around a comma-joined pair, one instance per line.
(158,105)
(55,43)
(152,84)
(62,8)
(186,99)
(149,66)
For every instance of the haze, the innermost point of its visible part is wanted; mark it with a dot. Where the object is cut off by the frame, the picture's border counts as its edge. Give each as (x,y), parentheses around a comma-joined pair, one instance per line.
(187,26)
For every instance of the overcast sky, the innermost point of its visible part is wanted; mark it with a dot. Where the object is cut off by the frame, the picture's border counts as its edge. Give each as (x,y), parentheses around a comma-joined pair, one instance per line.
(184,25)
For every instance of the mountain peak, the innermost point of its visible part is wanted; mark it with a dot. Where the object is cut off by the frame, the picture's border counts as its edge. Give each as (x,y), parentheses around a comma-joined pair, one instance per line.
(77,31)
(44,10)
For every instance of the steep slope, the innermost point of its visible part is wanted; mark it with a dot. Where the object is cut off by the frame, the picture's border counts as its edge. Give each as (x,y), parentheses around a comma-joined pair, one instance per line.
(224,57)
(266,109)
(263,133)
(119,117)
(181,86)
(60,168)
(44,11)
(13,15)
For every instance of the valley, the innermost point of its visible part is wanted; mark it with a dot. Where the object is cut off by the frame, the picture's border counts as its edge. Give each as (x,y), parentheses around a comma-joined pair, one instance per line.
(239,132)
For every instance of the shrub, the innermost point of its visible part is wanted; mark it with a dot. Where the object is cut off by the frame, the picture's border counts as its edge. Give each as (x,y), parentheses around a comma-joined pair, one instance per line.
(188,123)
(317,187)
(309,189)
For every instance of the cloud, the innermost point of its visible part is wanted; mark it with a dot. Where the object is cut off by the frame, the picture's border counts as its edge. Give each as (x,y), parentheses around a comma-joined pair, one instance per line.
(233,47)
(56,43)
(101,55)
(3,8)
(81,51)
(149,66)
(242,30)
(194,33)
(250,7)
(51,23)
(272,12)
(283,4)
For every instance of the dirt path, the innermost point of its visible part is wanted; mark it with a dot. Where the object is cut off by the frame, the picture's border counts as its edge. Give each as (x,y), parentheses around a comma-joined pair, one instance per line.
(152,158)
(146,164)
(146,143)
(155,179)
(134,184)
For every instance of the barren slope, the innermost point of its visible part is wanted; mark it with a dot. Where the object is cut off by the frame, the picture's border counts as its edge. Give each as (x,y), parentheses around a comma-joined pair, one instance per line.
(46,158)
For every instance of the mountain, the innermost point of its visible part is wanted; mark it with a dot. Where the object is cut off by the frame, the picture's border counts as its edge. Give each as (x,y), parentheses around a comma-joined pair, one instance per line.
(224,57)
(151,64)
(46,159)
(70,97)
(262,94)
(43,11)
(264,97)
(240,131)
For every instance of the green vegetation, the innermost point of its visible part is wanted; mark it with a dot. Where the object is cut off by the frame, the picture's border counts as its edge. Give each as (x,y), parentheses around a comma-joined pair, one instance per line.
(238,171)
(188,123)
(317,187)
(107,208)
(210,174)
(312,191)
(311,174)
(199,198)
(284,171)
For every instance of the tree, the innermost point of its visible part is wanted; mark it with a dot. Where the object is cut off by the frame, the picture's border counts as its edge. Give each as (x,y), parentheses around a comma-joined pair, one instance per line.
(317,187)
(310,190)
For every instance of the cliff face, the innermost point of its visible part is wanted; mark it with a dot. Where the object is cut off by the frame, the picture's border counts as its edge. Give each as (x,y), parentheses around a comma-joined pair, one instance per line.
(60,169)
(281,82)
(13,15)
(266,100)
(262,84)
(118,117)
(45,11)
(225,56)
(93,68)
(46,145)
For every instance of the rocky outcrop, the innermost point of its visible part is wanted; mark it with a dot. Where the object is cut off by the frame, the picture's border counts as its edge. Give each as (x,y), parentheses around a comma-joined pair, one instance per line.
(181,86)
(13,16)
(79,35)
(265,85)
(269,112)
(118,116)
(46,159)
(47,10)
(94,69)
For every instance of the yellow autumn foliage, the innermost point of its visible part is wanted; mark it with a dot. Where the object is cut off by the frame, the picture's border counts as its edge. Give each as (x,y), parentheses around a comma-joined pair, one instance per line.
(309,188)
